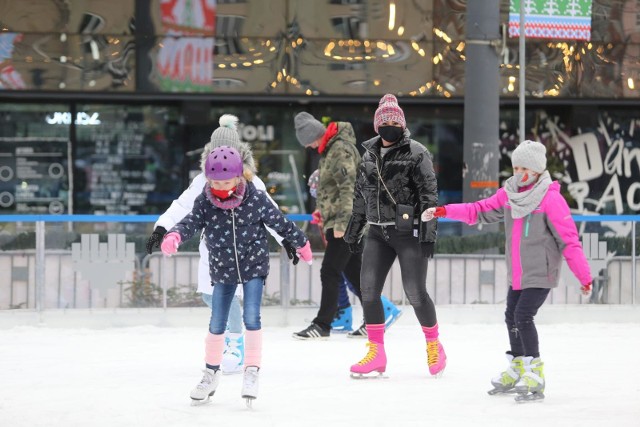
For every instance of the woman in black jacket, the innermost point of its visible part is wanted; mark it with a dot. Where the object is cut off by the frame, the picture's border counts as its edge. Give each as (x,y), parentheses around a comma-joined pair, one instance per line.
(395,183)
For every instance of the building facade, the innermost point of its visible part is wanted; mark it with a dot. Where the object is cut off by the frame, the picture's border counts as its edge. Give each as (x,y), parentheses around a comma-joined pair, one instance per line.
(104,105)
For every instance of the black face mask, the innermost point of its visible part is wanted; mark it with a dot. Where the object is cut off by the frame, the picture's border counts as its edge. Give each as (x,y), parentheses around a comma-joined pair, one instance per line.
(390,133)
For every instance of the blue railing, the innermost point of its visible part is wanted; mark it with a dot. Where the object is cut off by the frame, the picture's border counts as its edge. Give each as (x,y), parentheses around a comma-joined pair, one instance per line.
(107,218)
(292,217)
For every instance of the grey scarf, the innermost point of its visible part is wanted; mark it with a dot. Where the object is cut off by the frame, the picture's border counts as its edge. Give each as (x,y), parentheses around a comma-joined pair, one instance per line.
(523,203)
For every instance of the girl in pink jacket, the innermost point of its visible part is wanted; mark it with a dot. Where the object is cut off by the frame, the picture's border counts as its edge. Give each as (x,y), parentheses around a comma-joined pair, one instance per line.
(539,231)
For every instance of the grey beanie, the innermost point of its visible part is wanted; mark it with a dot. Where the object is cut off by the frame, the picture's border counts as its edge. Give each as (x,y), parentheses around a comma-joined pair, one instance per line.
(308,129)
(531,155)
(227,134)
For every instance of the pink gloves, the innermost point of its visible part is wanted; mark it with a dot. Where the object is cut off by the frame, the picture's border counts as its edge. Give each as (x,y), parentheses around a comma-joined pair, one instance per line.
(305,253)
(170,243)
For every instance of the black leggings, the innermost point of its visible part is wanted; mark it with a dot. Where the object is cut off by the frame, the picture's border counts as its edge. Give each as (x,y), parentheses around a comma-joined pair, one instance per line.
(382,245)
(337,260)
(522,306)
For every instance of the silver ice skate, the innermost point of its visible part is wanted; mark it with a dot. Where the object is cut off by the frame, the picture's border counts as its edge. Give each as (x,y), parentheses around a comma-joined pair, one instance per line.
(536,396)
(250,385)
(206,388)
(373,375)
(531,386)
(506,381)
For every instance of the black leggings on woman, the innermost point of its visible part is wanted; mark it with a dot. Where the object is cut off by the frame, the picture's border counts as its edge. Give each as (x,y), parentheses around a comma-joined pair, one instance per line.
(382,245)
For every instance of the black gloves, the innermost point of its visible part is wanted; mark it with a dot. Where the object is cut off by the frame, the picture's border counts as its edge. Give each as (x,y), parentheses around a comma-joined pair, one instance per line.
(155,239)
(292,252)
(427,249)
(356,248)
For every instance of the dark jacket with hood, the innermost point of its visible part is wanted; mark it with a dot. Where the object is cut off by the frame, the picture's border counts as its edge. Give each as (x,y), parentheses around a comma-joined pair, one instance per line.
(407,173)
(236,237)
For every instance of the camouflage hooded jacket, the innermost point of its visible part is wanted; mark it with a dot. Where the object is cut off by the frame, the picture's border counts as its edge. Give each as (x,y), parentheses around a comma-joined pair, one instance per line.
(338,165)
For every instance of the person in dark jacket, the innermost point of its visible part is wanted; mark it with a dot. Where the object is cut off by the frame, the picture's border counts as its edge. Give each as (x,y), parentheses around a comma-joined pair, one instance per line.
(396,173)
(233,215)
(343,318)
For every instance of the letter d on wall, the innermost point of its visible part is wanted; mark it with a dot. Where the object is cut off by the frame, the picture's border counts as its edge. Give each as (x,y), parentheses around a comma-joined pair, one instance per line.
(586,154)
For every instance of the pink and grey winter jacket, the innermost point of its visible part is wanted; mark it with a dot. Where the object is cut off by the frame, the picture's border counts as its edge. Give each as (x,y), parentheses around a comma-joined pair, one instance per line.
(536,243)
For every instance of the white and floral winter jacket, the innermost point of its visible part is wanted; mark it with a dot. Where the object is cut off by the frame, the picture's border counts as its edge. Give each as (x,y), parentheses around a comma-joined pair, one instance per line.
(236,238)
(182,206)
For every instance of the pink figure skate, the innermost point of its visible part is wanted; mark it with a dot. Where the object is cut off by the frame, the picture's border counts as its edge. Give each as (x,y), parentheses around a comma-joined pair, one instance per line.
(436,358)
(374,361)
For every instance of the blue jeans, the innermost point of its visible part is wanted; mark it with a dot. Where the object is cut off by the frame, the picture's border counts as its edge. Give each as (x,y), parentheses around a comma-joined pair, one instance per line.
(234,325)
(224,293)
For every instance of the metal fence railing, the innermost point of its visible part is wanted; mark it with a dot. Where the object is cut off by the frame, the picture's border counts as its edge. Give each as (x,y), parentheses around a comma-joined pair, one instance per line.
(42,277)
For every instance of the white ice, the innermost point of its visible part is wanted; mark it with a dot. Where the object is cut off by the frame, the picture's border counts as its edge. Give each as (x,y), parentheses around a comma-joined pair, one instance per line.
(141,376)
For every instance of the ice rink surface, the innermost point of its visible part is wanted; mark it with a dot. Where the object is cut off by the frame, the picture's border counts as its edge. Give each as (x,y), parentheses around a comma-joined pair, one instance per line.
(142,375)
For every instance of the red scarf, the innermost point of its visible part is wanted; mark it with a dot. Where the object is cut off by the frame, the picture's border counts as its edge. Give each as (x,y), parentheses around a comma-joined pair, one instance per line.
(222,194)
(332,130)
(232,202)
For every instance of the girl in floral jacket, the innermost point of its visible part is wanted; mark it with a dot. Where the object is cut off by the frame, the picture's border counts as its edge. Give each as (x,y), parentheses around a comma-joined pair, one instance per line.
(233,215)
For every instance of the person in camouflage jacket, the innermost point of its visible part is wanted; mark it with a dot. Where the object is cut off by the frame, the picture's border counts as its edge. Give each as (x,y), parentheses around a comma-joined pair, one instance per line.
(339,160)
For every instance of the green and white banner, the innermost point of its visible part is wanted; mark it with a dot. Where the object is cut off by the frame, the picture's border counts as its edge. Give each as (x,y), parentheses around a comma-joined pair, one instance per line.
(552,19)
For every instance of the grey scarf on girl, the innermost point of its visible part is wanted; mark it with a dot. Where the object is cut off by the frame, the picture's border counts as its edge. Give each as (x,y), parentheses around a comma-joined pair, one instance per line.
(523,203)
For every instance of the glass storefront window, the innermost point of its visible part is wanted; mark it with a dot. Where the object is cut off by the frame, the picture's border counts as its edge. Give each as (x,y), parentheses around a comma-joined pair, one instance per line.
(34,120)
(128,161)
(593,152)
(35,159)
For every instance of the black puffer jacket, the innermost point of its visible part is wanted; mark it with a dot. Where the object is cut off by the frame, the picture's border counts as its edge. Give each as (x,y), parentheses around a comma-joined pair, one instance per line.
(407,171)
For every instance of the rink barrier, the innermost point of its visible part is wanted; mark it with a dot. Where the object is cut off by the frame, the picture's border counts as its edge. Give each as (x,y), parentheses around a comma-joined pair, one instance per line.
(286,293)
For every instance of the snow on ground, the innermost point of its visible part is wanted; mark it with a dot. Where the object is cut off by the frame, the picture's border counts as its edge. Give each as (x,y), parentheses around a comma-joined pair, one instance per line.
(142,375)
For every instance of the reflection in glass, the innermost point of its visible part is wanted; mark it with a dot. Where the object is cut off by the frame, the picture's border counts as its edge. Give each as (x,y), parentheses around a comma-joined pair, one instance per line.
(69,45)
(130,162)
(301,48)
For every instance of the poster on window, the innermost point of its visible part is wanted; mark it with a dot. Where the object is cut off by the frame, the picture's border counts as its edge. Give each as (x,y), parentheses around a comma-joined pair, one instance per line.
(184,61)
(10,78)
